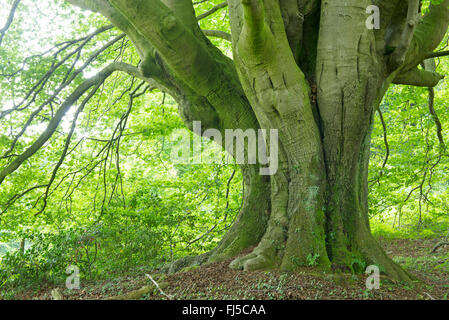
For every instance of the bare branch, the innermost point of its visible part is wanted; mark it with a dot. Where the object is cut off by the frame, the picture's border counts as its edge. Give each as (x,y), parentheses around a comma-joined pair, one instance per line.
(387,146)
(212,11)
(218,34)
(18,196)
(437,54)
(435,117)
(172,39)
(430,66)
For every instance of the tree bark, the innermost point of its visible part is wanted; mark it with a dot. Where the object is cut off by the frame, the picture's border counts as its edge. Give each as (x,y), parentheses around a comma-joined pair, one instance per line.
(312,70)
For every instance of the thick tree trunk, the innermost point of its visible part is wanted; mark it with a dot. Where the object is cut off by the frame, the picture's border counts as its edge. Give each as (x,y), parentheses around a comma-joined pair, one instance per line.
(320,220)
(314,209)
(319,207)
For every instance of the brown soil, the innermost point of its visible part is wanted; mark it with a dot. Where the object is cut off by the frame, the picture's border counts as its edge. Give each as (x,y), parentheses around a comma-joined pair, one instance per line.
(218,281)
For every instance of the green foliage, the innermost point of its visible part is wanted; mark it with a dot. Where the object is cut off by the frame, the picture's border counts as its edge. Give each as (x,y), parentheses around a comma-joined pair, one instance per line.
(47,257)
(408,195)
(137,207)
(312,259)
(130,206)
(358,264)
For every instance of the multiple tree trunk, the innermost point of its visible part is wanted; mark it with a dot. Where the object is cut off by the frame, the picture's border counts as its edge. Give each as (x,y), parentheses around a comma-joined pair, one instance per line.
(310,69)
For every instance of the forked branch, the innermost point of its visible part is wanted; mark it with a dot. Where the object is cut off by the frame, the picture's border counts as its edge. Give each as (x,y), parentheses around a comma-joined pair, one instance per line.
(65,106)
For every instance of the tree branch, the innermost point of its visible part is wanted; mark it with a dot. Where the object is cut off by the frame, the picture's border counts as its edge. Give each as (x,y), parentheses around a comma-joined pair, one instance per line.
(253,11)
(63,85)
(67,143)
(437,54)
(212,11)
(218,34)
(435,117)
(398,56)
(428,34)
(119,20)
(418,77)
(43,80)
(54,123)
(171,38)
(387,146)
(9,21)
(430,65)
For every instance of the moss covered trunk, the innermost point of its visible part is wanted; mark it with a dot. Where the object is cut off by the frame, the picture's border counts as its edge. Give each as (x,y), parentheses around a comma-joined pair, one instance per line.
(315,71)
(313,211)
(319,207)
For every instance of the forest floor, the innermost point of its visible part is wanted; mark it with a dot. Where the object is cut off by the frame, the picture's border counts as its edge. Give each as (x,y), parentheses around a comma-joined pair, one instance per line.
(218,281)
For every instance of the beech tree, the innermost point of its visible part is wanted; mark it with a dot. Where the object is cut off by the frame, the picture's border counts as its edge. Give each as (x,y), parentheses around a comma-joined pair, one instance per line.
(314,70)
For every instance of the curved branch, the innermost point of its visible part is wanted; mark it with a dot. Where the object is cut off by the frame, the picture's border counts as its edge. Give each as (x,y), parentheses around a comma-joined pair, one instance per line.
(119,20)
(18,196)
(387,146)
(212,11)
(418,77)
(54,123)
(218,34)
(172,39)
(32,93)
(437,54)
(430,66)
(435,117)
(67,142)
(63,85)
